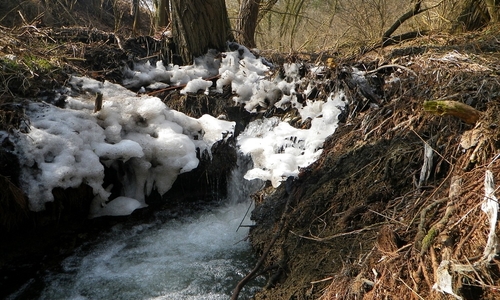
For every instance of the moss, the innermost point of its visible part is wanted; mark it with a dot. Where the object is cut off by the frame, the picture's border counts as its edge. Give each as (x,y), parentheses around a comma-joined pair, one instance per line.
(9,65)
(20,75)
(429,239)
(38,64)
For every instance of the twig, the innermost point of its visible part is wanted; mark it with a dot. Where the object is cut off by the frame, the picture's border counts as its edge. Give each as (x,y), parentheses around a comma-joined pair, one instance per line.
(466,214)
(412,290)
(322,280)
(260,262)
(243,219)
(439,154)
(98,102)
(391,66)
(387,217)
(339,234)
(181,86)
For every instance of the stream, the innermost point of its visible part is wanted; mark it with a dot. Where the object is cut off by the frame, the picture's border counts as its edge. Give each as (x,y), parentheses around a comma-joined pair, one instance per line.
(196,255)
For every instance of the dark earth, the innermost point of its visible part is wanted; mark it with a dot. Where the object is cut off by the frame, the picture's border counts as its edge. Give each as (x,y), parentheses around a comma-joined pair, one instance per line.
(359,223)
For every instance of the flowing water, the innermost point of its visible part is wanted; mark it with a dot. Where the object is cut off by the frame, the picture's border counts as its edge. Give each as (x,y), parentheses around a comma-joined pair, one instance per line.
(201,255)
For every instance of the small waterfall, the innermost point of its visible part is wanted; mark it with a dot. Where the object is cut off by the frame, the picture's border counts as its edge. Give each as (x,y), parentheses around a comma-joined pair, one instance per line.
(199,255)
(239,189)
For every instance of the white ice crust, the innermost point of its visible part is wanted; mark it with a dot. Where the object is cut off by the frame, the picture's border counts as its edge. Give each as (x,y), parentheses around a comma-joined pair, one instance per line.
(139,135)
(150,144)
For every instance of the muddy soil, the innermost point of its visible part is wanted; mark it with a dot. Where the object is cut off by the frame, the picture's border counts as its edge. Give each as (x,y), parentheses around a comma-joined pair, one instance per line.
(359,223)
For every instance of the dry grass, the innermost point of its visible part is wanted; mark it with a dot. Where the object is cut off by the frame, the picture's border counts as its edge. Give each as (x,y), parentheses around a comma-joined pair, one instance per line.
(442,221)
(108,15)
(334,25)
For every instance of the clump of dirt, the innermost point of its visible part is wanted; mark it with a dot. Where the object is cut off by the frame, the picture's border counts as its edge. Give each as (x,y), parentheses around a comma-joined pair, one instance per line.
(368,220)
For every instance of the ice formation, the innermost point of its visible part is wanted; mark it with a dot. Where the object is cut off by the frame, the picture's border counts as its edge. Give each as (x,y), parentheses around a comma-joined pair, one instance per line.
(151,144)
(68,147)
(277,149)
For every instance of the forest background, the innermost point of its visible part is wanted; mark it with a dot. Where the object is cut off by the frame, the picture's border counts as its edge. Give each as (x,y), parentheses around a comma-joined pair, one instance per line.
(333,29)
(284,26)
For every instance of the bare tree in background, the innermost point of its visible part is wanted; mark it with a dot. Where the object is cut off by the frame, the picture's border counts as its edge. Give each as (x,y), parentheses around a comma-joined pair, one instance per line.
(492,7)
(162,13)
(473,14)
(247,22)
(267,6)
(134,12)
(199,25)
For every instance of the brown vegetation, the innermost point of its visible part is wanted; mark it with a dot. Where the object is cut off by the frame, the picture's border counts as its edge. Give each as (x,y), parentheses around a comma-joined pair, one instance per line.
(368,220)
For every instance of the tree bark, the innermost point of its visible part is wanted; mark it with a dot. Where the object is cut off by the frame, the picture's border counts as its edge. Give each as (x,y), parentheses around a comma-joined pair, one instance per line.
(469,15)
(134,12)
(162,13)
(199,25)
(247,23)
(266,7)
(492,7)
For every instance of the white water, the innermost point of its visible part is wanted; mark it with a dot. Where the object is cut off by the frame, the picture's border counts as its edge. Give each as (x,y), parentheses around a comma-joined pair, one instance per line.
(200,256)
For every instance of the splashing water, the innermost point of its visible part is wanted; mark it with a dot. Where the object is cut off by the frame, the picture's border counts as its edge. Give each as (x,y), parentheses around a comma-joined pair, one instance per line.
(200,256)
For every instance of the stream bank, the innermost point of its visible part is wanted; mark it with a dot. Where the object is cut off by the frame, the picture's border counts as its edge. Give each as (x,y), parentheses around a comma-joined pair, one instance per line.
(358,222)
(368,220)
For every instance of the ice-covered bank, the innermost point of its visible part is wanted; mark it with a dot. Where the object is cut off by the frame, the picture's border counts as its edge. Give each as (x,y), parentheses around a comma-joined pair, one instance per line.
(148,144)
(278,149)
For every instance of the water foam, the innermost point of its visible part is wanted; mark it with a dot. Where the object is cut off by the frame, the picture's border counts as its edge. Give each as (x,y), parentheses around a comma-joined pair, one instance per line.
(196,257)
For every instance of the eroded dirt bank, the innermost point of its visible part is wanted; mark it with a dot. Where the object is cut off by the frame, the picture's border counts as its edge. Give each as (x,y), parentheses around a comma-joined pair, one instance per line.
(360,223)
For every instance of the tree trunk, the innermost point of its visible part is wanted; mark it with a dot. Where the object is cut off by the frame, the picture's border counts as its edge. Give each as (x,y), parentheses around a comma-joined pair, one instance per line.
(247,22)
(199,25)
(266,7)
(468,15)
(412,12)
(134,12)
(162,13)
(492,7)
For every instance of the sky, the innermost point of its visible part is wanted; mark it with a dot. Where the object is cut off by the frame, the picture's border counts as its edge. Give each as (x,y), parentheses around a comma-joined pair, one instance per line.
(149,144)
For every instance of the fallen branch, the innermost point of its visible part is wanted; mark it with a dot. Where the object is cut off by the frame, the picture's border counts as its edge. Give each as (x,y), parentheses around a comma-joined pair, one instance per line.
(420,236)
(466,113)
(391,66)
(180,86)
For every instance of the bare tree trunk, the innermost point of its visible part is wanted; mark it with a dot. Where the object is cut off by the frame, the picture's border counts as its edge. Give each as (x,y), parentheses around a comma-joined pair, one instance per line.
(134,12)
(468,15)
(162,13)
(387,39)
(492,10)
(266,7)
(199,25)
(247,22)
